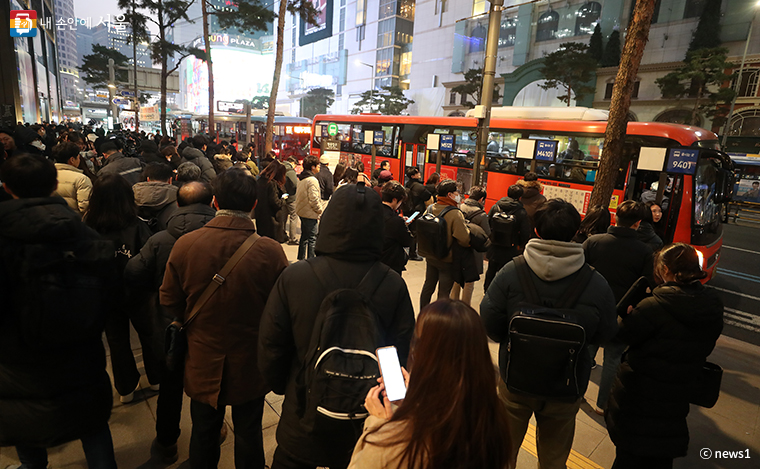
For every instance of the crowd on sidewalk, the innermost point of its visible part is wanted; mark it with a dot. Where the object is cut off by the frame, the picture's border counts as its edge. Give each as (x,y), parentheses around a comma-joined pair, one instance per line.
(184,242)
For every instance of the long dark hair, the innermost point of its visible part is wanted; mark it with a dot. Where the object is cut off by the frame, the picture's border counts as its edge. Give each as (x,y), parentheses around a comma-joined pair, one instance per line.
(434,179)
(275,171)
(453,416)
(596,221)
(112,204)
(681,260)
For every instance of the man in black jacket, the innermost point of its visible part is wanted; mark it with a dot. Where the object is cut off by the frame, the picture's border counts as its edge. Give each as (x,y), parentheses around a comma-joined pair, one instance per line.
(396,235)
(554,262)
(54,387)
(325,178)
(116,163)
(145,272)
(419,199)
(621,258)
(291,185)
(156,196)
(498,255)
(350,243)
(195,154)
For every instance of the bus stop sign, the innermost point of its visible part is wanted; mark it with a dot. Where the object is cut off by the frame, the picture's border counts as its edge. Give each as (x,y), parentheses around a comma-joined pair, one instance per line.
(332,129)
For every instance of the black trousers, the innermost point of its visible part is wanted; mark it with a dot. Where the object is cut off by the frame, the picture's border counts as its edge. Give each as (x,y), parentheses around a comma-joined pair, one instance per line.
(169,405)
(125,373)
(285,460)
(626,460)
(249,438)
(497,258)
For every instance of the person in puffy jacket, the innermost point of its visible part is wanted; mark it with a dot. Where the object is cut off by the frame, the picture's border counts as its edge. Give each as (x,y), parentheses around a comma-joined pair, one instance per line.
(196,156)
(270,217)
(646,231)
(498,256)
(308,207)
(669,337)
(73,185)
(472,209)
(532,196)
(156,196)
(54,390)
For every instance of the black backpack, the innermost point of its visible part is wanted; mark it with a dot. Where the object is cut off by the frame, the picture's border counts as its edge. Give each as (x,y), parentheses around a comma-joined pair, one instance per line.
(433,234)
(478,239)
(340,366)
(62,289)
(545,343)
(504,228)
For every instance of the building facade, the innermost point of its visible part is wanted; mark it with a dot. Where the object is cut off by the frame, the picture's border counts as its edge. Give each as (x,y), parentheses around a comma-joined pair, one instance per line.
(29,80)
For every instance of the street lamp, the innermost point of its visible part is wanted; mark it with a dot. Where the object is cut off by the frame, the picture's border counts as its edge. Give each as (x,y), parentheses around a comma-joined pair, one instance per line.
(739,78)
(371,83)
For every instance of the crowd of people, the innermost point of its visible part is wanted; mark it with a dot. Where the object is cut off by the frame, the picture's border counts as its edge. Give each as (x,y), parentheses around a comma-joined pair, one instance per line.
(99,231)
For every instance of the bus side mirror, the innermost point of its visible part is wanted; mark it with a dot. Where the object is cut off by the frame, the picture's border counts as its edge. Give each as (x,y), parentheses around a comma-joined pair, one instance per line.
(724,186)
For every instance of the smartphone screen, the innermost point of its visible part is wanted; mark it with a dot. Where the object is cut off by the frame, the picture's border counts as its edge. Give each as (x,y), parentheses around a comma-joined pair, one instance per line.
(390,368)
(412,217)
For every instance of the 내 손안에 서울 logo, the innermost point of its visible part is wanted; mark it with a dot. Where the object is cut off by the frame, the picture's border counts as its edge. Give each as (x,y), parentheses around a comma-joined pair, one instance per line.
(23,23)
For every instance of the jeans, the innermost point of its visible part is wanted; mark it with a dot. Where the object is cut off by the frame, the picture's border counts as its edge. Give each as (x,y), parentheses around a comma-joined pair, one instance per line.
(98,451)
(125,374)
(308,238)
(169,405)
(555,428)
(284,460)
(249,438)
(292,222)
(436,273)
(613,352)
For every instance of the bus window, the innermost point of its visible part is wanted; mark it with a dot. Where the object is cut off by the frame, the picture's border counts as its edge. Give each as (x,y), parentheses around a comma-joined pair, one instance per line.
(344,135)
(577,158)
(500,153)
(358,145)
(706,212)
(317,137)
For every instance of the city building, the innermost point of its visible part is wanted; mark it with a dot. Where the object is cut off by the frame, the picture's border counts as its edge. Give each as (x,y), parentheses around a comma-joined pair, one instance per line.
(363,44)
(68,57)
(29,83)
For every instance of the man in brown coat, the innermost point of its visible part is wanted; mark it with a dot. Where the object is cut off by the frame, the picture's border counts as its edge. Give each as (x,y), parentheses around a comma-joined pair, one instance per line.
(221,367)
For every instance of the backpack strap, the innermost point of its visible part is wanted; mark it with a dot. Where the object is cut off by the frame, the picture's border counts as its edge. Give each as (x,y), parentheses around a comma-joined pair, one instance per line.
(446,210)
(526,282)
(474,214)
(372,280)
(575,290)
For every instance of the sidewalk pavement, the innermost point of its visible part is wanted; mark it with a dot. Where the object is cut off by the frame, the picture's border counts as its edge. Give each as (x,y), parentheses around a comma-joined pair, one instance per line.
(732,426)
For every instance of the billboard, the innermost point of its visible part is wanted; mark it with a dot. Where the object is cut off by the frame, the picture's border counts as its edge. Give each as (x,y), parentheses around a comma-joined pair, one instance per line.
(323,29)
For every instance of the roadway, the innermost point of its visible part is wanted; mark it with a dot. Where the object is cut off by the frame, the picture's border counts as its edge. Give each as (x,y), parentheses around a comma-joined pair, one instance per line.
(738,282)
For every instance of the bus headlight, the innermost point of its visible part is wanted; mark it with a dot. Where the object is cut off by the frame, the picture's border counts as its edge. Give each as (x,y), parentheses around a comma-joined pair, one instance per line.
(701,259)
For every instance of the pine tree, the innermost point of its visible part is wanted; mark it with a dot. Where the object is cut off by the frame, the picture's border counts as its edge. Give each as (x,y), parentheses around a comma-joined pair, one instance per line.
(595,46)
(611,56)
(570,68)
(707,34)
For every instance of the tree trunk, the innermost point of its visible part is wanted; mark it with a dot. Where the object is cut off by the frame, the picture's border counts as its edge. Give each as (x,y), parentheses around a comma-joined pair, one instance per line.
(276,77)
(694,111)
(164,65)
(569,95)
(210,65)
(614,137)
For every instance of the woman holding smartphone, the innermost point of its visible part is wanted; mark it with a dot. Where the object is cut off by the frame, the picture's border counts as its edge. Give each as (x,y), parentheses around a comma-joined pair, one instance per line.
(669,335)
(451,416)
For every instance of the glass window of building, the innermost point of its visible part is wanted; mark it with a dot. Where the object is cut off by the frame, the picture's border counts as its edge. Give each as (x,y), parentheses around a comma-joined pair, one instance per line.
(479,7)
(748,83)
(478,36)
(386,30)
(586,18)
(548,23)
(678,116)
(507,32)
(745,124)
(693,8)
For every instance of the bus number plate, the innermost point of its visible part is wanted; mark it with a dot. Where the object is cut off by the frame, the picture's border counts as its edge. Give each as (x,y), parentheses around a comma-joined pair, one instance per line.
(682,161)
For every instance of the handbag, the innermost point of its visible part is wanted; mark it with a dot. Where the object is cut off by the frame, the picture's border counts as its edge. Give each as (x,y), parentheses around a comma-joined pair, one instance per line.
(175,335)
(706,388)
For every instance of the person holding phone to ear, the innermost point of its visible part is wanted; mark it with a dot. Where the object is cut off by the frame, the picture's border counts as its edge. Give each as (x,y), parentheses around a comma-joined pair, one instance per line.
(451,415)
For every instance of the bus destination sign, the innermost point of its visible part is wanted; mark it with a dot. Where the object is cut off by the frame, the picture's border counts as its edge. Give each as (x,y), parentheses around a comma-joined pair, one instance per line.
(682,161)
(546,150)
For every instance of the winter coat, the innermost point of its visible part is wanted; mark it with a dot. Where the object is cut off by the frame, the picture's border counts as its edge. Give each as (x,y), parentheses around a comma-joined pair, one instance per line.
(554,266)
(127,167)
(74,187)
(418,196)
(195,156)
(269,215)
(221,365)
(308,200)
(396,237)
(156,203)
(432,190)
(473,212)
(291,182)
(128,242)
(509,206)
(532,197)
(326,184)
(56,394)
(456,225)
(368,455)
(646,234)
(669,336)
(350,242)
(619,257)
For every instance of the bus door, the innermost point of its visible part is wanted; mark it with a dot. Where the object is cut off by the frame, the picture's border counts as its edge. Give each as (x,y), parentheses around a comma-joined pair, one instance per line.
(446,171)
(414,157)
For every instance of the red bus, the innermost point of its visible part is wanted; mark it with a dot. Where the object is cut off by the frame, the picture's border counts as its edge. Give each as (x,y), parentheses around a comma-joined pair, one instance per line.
(692,193)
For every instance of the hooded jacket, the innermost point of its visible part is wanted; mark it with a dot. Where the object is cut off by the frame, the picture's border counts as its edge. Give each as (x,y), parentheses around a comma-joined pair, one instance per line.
(553,265)
(74,187)
(269,216)
(195,156)
(56,394)
(457,228)
(127,167)
(291,182)
(308,200)
(155,200)
(473,212)
(532,196)
(669,335)
(510,206)
(350,241)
